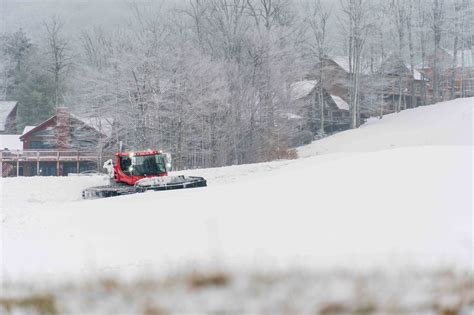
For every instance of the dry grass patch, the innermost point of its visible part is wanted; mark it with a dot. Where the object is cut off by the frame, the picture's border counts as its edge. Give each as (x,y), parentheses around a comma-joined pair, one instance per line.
(110,285)
(153,310)
(199,280)
(40,304)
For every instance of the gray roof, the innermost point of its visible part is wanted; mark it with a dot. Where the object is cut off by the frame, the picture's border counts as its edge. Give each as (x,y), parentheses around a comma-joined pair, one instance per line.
(340,103)
(5,110)
(302,89)
(102,124)
(463,58)
(343,62)
(28,129)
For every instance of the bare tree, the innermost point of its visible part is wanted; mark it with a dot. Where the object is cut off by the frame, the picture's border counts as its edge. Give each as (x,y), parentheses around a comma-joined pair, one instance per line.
(318,25)
(399,20)
(458,30)
(411,50)
(273,27)
(59,52)
(422,33)
(437,26)
(356,23)
(380,37)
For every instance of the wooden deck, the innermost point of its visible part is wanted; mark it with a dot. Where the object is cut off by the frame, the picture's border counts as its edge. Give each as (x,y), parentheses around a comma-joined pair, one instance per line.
(17,158)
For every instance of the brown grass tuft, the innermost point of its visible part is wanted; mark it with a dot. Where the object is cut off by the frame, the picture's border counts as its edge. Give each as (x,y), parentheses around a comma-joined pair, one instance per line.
(40,304)
(153,310)
(333,309)
(365,310)
(198,280)
(282,153)
(110,284)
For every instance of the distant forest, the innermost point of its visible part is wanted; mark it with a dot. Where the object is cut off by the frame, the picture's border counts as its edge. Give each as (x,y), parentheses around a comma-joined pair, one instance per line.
(209,80)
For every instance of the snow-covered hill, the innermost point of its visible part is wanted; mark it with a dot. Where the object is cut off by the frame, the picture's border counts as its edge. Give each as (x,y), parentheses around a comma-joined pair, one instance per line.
(448,123)
(396,191)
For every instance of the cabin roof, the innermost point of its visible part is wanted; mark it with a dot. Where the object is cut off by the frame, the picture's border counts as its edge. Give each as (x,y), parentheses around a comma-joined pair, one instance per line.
(343,63)
(31,131)
(463,57)
(301,89)
(102,126)
(340,103)
(417,76)
(27,129)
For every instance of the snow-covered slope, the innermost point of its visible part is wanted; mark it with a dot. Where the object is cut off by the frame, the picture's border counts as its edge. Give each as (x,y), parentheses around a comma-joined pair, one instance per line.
(448,123)
(410,204)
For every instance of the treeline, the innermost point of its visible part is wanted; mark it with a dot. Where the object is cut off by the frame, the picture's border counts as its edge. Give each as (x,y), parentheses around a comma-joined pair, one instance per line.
(210,80)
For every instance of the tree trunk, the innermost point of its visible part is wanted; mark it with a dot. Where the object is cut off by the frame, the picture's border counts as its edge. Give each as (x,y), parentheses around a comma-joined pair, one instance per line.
(412,56)
(321,101)
(453,68)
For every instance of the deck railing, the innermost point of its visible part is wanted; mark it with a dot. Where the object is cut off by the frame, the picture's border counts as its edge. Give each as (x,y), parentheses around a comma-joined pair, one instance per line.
(12,161)
(47,156)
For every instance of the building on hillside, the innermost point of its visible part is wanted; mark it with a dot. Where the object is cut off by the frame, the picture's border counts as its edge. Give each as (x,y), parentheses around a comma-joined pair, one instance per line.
(459,67)
(381,89)
(60,145)
(337,75)
(304,112)
(401,88)
(8,111)
(64,131)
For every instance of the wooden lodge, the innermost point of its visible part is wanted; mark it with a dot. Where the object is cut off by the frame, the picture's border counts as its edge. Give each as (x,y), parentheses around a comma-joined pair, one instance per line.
(336,77)
(46,163)
(402,88)
(459,67)
(304,112)
(61,145)
(305,103)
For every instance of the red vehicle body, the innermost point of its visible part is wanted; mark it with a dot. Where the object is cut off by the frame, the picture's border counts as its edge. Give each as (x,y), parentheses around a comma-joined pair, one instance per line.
(126,172)
(135,172)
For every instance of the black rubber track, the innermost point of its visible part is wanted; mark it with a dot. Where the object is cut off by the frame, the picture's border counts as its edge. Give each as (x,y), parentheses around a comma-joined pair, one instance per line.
(119,190)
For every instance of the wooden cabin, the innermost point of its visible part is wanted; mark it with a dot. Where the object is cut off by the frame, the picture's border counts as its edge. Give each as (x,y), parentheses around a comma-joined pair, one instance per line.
(336,81)
(60,145)
(463,71)
(400,86)
(305,109)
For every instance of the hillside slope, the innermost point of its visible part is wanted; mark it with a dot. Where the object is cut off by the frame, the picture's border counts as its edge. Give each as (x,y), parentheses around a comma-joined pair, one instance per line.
(447,123)
(357,207)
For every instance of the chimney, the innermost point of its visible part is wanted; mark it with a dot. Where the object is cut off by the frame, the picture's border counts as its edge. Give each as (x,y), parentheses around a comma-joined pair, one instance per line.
(62,128)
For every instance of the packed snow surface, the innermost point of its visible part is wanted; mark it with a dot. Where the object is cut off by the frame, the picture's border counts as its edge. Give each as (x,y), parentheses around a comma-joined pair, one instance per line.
(448,123)
(395,192)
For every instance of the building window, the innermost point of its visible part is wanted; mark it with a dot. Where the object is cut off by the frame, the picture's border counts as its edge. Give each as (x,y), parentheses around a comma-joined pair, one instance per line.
(40,145)
(48,169)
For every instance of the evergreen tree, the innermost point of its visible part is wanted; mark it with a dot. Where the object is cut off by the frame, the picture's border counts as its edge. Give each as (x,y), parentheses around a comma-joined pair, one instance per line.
(16,48)
(35,96)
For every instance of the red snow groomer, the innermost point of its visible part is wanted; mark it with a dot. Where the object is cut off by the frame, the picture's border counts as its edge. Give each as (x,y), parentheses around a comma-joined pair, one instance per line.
(138,172)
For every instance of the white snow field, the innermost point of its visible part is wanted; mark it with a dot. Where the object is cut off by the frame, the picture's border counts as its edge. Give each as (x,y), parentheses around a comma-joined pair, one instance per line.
(396,192)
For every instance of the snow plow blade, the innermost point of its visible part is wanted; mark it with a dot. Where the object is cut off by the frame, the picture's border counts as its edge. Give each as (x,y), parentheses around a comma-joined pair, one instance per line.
(170,183)
(107,191)
(154,183)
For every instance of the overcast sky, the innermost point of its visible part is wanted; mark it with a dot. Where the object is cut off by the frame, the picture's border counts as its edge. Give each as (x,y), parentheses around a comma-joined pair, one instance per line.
(29,14)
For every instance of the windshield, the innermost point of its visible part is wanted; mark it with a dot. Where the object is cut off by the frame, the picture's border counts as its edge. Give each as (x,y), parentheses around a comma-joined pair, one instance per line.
(148,165)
